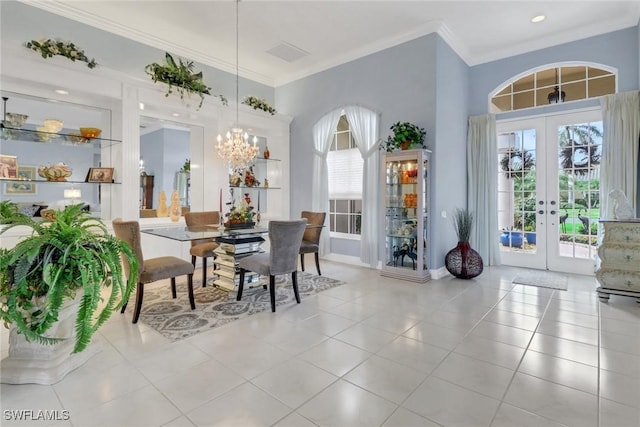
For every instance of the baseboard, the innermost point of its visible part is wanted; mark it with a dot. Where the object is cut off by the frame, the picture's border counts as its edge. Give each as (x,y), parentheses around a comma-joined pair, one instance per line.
(439,273)
(345,259)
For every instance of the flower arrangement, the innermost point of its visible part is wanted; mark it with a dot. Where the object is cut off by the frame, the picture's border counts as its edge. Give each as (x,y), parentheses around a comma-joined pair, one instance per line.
(259,104)
(181,76)
(242,213)
(49,48)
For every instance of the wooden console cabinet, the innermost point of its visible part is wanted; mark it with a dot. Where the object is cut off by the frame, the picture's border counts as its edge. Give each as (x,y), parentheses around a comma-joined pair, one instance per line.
(619,252)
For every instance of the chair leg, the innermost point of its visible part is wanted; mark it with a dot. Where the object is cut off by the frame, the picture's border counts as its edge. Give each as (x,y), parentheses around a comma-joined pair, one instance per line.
(318,263)
(204,271)
(302,261)
(190,285)
(272,292)
(139,295)
(240,285)
(173,287)
(193,260)
(294,281)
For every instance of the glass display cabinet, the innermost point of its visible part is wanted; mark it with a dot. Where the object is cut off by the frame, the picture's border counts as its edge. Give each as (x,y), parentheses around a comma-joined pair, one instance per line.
(405,215)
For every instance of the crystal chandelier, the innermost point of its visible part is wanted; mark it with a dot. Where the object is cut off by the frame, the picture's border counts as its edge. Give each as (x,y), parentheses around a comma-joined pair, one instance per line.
(236,149)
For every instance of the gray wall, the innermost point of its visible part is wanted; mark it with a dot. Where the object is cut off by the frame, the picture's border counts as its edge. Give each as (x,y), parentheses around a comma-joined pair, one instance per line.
(421,81)
(619,49)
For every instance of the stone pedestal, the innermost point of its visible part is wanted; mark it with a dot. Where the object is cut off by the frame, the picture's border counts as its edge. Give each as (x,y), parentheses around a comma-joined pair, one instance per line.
(32,362)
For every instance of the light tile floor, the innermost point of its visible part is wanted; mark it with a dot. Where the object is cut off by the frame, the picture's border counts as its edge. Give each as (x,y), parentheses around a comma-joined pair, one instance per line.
(374,352)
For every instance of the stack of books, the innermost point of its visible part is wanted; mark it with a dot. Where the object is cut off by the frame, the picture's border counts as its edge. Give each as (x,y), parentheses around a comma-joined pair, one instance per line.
(228,253)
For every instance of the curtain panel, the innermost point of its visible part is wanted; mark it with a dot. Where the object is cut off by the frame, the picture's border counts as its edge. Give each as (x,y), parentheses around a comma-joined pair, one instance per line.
(323,132)
(364,128)
(619,163)
(482,186)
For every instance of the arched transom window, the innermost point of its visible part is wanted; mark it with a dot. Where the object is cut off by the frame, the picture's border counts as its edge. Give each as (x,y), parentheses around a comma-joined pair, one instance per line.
(554,85)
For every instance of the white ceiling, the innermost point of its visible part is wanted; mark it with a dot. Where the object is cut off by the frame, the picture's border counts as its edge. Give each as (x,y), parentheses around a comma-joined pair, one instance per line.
(335,32)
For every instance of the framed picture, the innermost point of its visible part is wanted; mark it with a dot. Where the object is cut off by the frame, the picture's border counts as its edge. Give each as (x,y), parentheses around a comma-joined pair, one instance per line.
(100,175)
(25,184)
(8,166)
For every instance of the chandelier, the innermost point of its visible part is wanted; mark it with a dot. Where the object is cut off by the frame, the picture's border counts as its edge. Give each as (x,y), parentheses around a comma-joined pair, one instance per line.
(556,96)
(236,149)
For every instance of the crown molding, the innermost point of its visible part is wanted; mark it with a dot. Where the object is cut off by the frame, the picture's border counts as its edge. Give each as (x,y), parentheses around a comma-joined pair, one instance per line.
(142,37)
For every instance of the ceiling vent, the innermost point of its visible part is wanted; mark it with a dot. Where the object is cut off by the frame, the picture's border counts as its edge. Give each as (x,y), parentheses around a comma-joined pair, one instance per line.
(287,52)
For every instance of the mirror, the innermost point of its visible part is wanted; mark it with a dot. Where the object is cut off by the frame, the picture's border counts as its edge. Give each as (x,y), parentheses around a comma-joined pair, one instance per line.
(165,164)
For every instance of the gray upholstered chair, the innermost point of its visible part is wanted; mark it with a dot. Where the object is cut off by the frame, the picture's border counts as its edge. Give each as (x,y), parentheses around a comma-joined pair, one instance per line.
(311,238)
(285,238)
(153,269)
(202,247)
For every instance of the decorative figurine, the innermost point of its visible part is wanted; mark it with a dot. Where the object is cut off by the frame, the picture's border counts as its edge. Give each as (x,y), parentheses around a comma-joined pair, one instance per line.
(621,207)
(175,210)
(266,153)
(163,210)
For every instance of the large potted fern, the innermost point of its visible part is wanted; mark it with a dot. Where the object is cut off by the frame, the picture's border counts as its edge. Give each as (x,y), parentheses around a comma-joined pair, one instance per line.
(68,265)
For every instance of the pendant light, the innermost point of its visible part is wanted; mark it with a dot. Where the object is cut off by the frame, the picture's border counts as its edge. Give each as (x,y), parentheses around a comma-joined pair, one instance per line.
(556,96)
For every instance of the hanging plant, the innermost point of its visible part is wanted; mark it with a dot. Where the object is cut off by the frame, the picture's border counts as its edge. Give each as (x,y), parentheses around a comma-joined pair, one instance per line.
(180,76)
(515,162)
(579,157)
(49,48)
(259,104)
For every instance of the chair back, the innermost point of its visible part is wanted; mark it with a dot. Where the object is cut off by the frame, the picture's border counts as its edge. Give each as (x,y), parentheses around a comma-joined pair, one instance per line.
(129,232)
(285,239)
(312,235)
(201,218)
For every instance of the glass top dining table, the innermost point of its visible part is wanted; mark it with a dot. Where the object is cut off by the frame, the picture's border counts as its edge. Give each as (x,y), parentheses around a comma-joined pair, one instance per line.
(186,234)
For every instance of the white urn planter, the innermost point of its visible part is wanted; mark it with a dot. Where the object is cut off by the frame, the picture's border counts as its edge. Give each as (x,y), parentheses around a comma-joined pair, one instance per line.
(35,363)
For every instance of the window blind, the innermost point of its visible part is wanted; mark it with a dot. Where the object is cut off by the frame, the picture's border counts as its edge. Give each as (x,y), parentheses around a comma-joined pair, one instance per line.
(345,174)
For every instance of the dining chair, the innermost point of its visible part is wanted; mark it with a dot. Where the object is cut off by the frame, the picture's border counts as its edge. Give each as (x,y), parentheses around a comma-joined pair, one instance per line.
(202,247)
(285,238)
(311,238)
(152,269)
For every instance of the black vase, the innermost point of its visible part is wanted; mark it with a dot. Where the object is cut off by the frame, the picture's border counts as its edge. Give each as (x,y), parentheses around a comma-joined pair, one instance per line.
(464,262)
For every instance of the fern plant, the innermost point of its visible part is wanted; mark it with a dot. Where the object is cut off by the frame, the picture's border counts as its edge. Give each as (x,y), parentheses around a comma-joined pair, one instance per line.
(180,75)
(67,254)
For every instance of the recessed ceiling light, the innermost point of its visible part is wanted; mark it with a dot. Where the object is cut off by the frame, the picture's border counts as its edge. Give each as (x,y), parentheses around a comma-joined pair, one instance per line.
(175,115)
(141,105)
(538,18)
(62,92)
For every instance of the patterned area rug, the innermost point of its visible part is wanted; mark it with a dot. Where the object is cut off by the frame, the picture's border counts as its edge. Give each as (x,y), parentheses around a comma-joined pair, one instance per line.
(215,307)
(542,279)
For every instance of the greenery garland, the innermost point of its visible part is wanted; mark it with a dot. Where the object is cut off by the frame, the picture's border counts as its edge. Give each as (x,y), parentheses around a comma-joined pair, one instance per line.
(181,76)
(524,161)
(259,104)
(49,48)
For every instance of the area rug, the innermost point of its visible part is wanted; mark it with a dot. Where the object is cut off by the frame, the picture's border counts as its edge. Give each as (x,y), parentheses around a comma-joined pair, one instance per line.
(542,279)
(175,320)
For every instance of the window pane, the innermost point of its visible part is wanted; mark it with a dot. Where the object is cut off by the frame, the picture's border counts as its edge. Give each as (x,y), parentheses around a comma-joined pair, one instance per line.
(525,83)
(343,140)
(342,206)
(523,100)
(342,223)
(575,91)
(572,74)
(503,103)
(602,86)
(505,91)
(596,72)
(343,124)
(546,78)
(332,222)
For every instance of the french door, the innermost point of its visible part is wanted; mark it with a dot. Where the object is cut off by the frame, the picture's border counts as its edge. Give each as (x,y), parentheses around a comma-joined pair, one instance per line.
(548,191)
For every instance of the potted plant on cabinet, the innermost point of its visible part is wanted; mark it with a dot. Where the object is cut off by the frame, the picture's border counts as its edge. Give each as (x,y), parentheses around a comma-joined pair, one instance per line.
(405,135)
(462,261)
(70,266)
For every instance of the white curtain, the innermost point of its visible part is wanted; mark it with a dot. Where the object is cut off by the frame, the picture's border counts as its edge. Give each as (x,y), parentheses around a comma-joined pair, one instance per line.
(482,186)
(619,163)
(323,132)
(364,128)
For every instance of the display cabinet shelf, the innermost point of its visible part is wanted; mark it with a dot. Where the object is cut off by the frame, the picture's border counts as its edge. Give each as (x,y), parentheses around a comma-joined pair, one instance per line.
(405,218)
(64,137)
